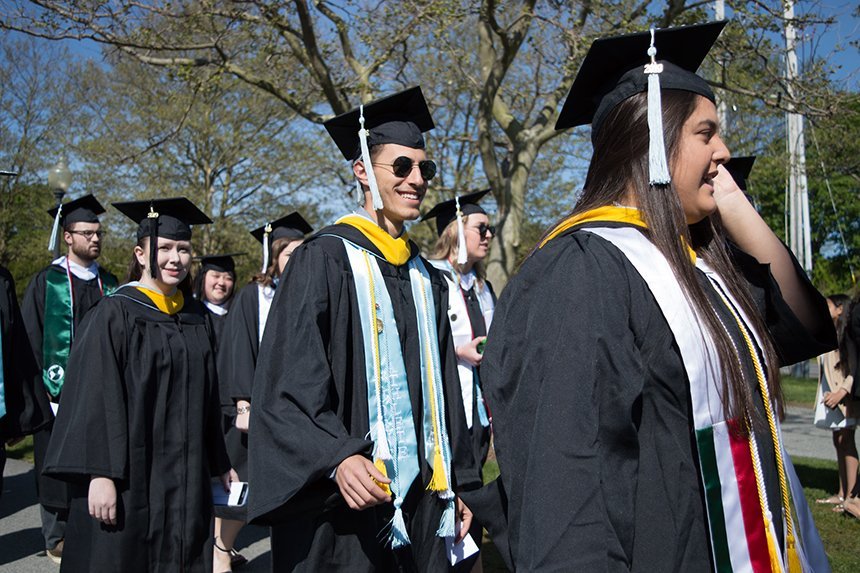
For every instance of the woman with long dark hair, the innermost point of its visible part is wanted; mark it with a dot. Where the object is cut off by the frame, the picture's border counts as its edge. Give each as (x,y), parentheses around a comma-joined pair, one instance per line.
(138,430)
(237,358)
(633,363)
(836,408)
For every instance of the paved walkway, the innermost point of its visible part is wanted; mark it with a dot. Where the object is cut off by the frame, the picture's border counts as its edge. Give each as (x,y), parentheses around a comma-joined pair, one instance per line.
(21,549)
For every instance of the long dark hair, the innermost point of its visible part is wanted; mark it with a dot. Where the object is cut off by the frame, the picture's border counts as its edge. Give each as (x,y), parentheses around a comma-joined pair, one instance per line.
(843,301)
(619,166)
(135,272)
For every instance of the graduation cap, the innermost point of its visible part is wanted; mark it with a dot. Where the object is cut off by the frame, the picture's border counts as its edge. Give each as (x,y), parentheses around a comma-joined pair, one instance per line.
(400,118)
(292,226)
(456,208)
(4,173)
(84,209)
(169,218)
(739,168)
(619,67)
(218,263)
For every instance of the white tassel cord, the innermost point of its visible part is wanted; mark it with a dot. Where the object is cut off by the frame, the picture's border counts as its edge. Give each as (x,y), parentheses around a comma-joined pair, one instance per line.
(52,243)
(266,248)
(368,166)
(462,255)
(658,167)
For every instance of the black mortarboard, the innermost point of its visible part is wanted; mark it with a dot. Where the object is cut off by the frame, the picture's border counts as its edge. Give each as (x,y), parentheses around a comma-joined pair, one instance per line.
(400,118)
(446,211)
(613,70)
(739,168)
(84,209)
(292,226)
(219,263)
(4,173)
(169,218)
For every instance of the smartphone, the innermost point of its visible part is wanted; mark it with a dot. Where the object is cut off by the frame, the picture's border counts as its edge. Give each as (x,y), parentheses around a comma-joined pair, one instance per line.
(237,497)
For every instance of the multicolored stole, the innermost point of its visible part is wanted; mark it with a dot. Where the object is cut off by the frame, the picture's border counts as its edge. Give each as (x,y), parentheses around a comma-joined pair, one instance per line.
(59,327)
(391,422)
(741,527)
(462,333)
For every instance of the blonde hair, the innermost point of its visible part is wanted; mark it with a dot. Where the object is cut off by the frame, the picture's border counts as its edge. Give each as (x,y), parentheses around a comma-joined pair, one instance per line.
(446,249)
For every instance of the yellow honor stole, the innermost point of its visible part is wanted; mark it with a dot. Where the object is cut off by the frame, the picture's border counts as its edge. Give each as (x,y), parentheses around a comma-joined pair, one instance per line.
(166,304)
(396,251)
(606,214)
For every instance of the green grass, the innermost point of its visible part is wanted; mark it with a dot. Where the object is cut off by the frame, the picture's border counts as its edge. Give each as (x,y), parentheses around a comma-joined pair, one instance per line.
(799,391)
(23,450)
(820,479)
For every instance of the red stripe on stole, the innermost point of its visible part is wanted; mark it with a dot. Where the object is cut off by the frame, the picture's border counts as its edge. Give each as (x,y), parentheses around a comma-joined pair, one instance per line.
(749,499)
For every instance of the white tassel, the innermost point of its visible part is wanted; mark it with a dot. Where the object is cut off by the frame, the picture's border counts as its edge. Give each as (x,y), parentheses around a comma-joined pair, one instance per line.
(447,525)
(383,451)
(462,255)
(266,232)
(398,537)
(368,166)
(658,167)
(52,243)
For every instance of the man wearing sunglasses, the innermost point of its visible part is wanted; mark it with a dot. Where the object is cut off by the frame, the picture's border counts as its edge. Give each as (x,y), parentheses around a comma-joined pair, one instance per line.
(57,299)
(359,445)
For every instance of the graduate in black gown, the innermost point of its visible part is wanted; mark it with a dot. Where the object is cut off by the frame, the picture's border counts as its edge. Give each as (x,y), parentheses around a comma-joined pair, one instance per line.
(55,302)
(464,241)
(214,287)
(358,443)
(139,434)
(633,363)
(237,359)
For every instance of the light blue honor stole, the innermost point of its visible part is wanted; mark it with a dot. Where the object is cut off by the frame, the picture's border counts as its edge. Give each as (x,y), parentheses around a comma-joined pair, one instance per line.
(389,408)
(2,375)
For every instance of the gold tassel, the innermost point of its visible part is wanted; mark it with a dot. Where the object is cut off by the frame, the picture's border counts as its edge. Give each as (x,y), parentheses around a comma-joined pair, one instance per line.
(439,481)
(794,565)
(772,551)
(380,465)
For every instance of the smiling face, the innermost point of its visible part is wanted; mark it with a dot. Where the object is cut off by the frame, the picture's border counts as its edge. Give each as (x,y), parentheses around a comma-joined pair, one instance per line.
(173,262)
(700,151)
(401,196)
(217,286)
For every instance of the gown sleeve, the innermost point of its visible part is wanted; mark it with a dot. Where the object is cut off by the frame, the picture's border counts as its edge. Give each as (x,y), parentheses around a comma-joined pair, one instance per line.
(237,348)
(296,437)
(562,374)
(794,342)
(27,409)
(33,313)
(90,436)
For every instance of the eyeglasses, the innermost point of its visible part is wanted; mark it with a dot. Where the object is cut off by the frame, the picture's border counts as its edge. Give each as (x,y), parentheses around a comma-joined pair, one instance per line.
(483,229)
(402,167)
(88,235)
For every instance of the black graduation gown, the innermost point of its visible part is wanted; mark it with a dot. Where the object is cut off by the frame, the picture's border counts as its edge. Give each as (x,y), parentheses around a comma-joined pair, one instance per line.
(309,412)
(140,406)
(237,358)
(52,493)
(27,408)
(592,421)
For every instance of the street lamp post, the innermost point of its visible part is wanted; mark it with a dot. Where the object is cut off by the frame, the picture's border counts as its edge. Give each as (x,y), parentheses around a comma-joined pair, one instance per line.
(59,180)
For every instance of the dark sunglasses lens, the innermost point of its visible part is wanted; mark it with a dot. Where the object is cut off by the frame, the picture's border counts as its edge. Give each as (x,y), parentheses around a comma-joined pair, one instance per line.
(428,169)
(483,229)
(402,166)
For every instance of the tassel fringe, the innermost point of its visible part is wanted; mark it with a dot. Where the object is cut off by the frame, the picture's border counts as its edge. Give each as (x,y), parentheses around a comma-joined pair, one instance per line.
(793,557)
(397,535)
(439,481)
(380,465)
(447,525)
(462,255)
(368,167)
(658,168)
(52,243)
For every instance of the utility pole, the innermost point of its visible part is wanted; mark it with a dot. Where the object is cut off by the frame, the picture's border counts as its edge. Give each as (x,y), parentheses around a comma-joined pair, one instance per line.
(722,111)
(800,241)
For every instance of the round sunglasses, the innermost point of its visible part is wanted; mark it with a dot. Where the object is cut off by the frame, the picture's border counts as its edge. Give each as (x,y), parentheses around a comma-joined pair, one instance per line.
(402,167)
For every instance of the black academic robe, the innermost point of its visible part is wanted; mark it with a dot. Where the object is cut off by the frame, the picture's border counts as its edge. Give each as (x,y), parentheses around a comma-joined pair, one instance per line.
(237,358)
(591,411)
(140,406)
(27,409)
(310,413)
(52,493)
